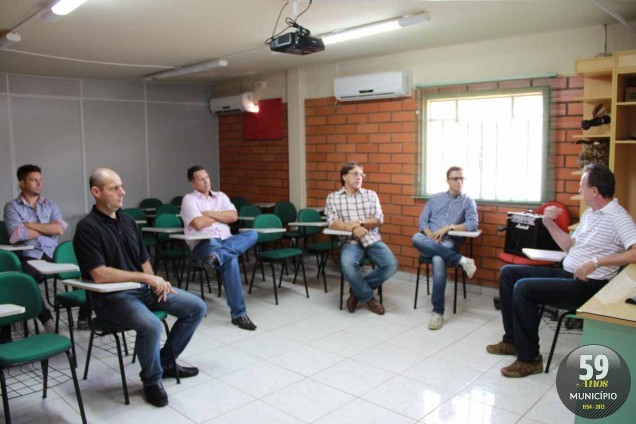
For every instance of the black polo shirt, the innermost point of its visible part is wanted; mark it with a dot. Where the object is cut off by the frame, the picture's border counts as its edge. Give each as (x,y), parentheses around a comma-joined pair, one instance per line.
(103,241)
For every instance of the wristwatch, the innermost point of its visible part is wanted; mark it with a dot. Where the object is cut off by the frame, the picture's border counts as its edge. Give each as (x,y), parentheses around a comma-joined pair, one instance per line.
(595,262)
(361,222)
(452,227)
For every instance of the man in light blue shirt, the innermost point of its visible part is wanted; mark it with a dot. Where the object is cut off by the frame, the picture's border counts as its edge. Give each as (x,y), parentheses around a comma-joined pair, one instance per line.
(450,210)
(35,221)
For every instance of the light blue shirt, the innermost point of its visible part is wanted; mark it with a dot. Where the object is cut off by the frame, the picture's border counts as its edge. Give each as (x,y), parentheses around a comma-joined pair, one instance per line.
(18,211)
(443,209)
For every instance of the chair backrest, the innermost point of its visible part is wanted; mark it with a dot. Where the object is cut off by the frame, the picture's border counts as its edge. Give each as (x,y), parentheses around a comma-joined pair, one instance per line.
(268,221)
(167,209)
(249,210)
(4,236)
(563,220)
(65,254)
(135,213)
(309,215)
(9,261)
(20,289)
(239,202)
(166,220)
(286,211)
(176,200)
(150,202)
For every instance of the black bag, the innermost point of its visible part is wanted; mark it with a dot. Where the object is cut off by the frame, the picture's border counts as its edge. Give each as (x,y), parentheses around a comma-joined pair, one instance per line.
(524,229)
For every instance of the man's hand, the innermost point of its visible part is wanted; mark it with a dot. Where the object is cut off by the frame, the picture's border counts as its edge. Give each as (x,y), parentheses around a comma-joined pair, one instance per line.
(439,234)
(160,287)
(584,270)
(551,213)
(359,232)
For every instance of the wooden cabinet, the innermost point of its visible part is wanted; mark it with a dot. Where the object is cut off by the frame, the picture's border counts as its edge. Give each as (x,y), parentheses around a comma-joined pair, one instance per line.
(623,131)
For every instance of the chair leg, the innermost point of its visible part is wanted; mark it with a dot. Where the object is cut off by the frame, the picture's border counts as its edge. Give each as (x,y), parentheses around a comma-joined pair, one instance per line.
(554,341)
(428,290)
(341,288)
(301,263)
(464,282)
(45,377)
(253,275)
(73,364)
(170,351)
(70,331)
(417,283)
(321,268)
(5,398)
(380,294)
(88,354)
(122,370)
(455,295)
(271,264)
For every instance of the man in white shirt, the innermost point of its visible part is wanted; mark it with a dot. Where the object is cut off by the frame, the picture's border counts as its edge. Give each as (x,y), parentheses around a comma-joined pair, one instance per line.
(604,241)
(209,213)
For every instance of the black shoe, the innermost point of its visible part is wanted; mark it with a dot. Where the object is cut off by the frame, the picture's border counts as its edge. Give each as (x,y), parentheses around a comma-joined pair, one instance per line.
(156,395)
(184,372)
(244,322)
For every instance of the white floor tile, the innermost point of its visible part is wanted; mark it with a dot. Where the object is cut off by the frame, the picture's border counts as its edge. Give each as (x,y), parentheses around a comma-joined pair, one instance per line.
(390,357)
(255,412)
(467,411)
(443,374)
(306,360)
(261,379)
(362,412)
(209,400)
(353,377)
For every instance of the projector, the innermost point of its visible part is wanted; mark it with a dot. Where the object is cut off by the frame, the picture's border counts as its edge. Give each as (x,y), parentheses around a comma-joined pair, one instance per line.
(296,43)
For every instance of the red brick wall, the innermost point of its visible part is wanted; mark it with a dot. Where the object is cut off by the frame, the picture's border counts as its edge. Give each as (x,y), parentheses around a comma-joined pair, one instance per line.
(256,170)
(382,135)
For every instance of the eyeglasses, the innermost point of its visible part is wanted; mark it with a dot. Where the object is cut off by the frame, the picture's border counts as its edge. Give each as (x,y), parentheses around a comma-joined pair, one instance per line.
(357,174)
(457,179)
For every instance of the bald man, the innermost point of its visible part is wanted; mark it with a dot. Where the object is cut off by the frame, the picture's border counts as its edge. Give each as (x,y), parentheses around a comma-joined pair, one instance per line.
(110,249)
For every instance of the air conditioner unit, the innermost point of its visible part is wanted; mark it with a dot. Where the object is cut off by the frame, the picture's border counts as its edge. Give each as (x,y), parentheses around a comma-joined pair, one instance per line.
(233,104)
(385,85)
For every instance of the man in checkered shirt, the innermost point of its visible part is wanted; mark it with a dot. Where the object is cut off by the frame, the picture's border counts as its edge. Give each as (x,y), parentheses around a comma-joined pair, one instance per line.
(358,210)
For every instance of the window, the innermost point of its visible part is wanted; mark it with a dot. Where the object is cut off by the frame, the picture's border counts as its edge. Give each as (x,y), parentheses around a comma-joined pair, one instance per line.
(499,139)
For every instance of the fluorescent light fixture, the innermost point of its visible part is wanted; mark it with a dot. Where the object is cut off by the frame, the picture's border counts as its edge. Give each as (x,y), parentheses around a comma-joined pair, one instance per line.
(59,9)
(191,69)
(9,39)
(374,28)
(64,7)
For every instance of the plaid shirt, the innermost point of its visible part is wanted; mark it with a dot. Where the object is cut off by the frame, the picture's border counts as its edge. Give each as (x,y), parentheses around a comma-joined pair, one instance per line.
(363,204)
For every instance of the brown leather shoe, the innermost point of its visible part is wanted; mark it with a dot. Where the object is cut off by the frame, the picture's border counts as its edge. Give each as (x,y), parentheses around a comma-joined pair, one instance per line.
(502,348)
(375,306)
(352,302)
(520,369)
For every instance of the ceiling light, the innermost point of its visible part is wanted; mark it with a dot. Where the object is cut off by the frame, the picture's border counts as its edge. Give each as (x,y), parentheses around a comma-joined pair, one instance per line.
(374,28)
(59,9)
(9,39)
(191,69)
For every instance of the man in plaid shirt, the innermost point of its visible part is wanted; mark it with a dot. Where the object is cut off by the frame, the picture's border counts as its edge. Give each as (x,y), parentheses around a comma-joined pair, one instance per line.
(358,210)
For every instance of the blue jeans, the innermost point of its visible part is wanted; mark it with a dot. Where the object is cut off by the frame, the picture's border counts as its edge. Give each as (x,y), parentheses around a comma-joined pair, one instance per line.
(522,291)
(351,254)
(227,252)
(132,309)
(443,254)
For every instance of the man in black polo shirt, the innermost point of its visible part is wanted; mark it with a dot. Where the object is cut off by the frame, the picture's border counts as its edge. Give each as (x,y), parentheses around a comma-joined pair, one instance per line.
(110,249)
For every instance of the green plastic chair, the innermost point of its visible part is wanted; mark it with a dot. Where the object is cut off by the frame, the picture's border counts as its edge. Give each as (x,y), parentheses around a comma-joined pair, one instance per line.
(249,211)
(321,249)
(275,255)
(4,236)
(167,251)
(21,289)
(76,298)
(150,202)
(239,202)
(173,209)
(9,261)
(286,211)
(176,201)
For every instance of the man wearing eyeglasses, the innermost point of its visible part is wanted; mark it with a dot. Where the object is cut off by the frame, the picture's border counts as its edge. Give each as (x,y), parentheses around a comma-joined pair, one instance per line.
(355,209)
(450,210)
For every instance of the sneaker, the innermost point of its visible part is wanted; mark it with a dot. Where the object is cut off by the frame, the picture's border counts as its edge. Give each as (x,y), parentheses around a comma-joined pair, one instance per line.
(375,306)
(49,326)
(82,324)
(502,348)
(436,322)
(523,368)
(469,267)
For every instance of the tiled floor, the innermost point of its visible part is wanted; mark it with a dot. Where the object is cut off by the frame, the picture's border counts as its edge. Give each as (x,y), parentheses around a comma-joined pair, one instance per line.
(309,362)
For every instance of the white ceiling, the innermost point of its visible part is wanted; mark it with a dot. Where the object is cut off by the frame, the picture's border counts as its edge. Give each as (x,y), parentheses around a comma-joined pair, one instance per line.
(161,34)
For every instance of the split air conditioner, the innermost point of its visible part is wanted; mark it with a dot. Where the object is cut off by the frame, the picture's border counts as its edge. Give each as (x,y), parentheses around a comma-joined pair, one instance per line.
(384,85)
(233,104)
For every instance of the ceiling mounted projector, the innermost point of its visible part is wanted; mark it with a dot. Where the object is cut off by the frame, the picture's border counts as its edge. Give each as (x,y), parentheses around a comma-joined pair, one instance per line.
(299,43)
